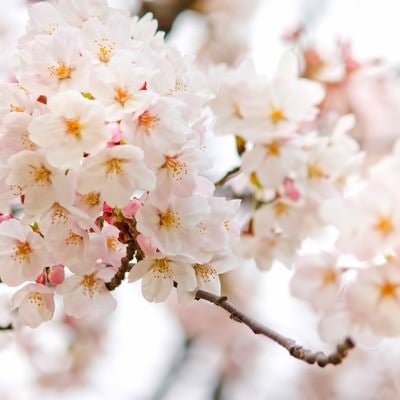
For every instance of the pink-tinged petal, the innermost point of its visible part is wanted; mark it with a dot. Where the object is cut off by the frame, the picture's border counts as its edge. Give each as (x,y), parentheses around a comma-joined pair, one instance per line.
(70,284)
(147,245)
(104,302)
(140,269)
(156,289)
(29,314)
(77,304)
(13,228)
(185,276)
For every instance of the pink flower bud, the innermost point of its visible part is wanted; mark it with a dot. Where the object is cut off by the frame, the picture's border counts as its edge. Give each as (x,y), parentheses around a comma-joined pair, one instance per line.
(56,275)
(41,279)
(116,134)
(290,189)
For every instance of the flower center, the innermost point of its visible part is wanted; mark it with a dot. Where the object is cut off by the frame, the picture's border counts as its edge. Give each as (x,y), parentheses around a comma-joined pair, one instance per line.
(273,149)
(61,71)
(90,284)
(13,108)
(121,95)
(36,298)
(162,268)
(111,243)
(384,225)
(388,289)
(276,115)
(329,277)
(41,175)
(314,171)
(73,127)
(175,166)
(148,121)
(91,199)
(105,49)
(280,208)
(114,166)
(73,239)
(22,252)
(170,219)
(205,272)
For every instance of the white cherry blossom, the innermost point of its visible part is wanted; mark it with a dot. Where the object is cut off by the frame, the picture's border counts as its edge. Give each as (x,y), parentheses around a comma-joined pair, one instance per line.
(73,126)
(41,184)
(34,303)
(22,253)
(86,293)
(158,274)
(116,173)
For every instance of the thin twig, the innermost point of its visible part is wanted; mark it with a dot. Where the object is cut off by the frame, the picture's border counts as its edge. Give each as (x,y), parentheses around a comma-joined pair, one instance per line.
(289,344)
(230,174)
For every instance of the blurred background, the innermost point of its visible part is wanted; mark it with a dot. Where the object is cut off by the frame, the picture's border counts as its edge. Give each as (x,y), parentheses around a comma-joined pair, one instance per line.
(162,352)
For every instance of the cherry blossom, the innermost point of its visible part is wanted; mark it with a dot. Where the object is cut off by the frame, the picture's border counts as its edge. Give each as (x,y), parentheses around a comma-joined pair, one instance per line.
(34,303)
(23,254)
(158,274)
(115,172)
(86,293)
(73,126)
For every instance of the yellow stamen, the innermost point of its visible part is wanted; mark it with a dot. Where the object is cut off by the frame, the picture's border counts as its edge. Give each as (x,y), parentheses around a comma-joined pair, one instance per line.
(388,289)
(161,268)
(73,127)
(384,225)
(148,121)
(329,276)
(121,95)
(170,219)
(61,71)
(90,284)
(276,115)
(91,199)
(314,171)
(104,53)
(280,208)
(36,298)
(112,243)
(17,108)
(205,272)
(41,175)
(175,166)
(273,149)
(114,166)
(22,250)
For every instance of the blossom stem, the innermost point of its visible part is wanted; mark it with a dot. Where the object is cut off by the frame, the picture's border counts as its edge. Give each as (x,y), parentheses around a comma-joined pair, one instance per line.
(230,174)
(8,327)
(289,344)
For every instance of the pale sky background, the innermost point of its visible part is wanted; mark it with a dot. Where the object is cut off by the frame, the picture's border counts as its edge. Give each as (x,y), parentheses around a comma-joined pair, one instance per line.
(144,336)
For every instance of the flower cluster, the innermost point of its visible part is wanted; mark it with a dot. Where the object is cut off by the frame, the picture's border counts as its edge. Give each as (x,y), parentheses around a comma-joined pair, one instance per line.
(104,120)
(308,178)
(290,168)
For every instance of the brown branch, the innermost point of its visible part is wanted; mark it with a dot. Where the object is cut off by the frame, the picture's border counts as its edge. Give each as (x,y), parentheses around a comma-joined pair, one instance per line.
(289,344)
(124,267)
(133,250)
